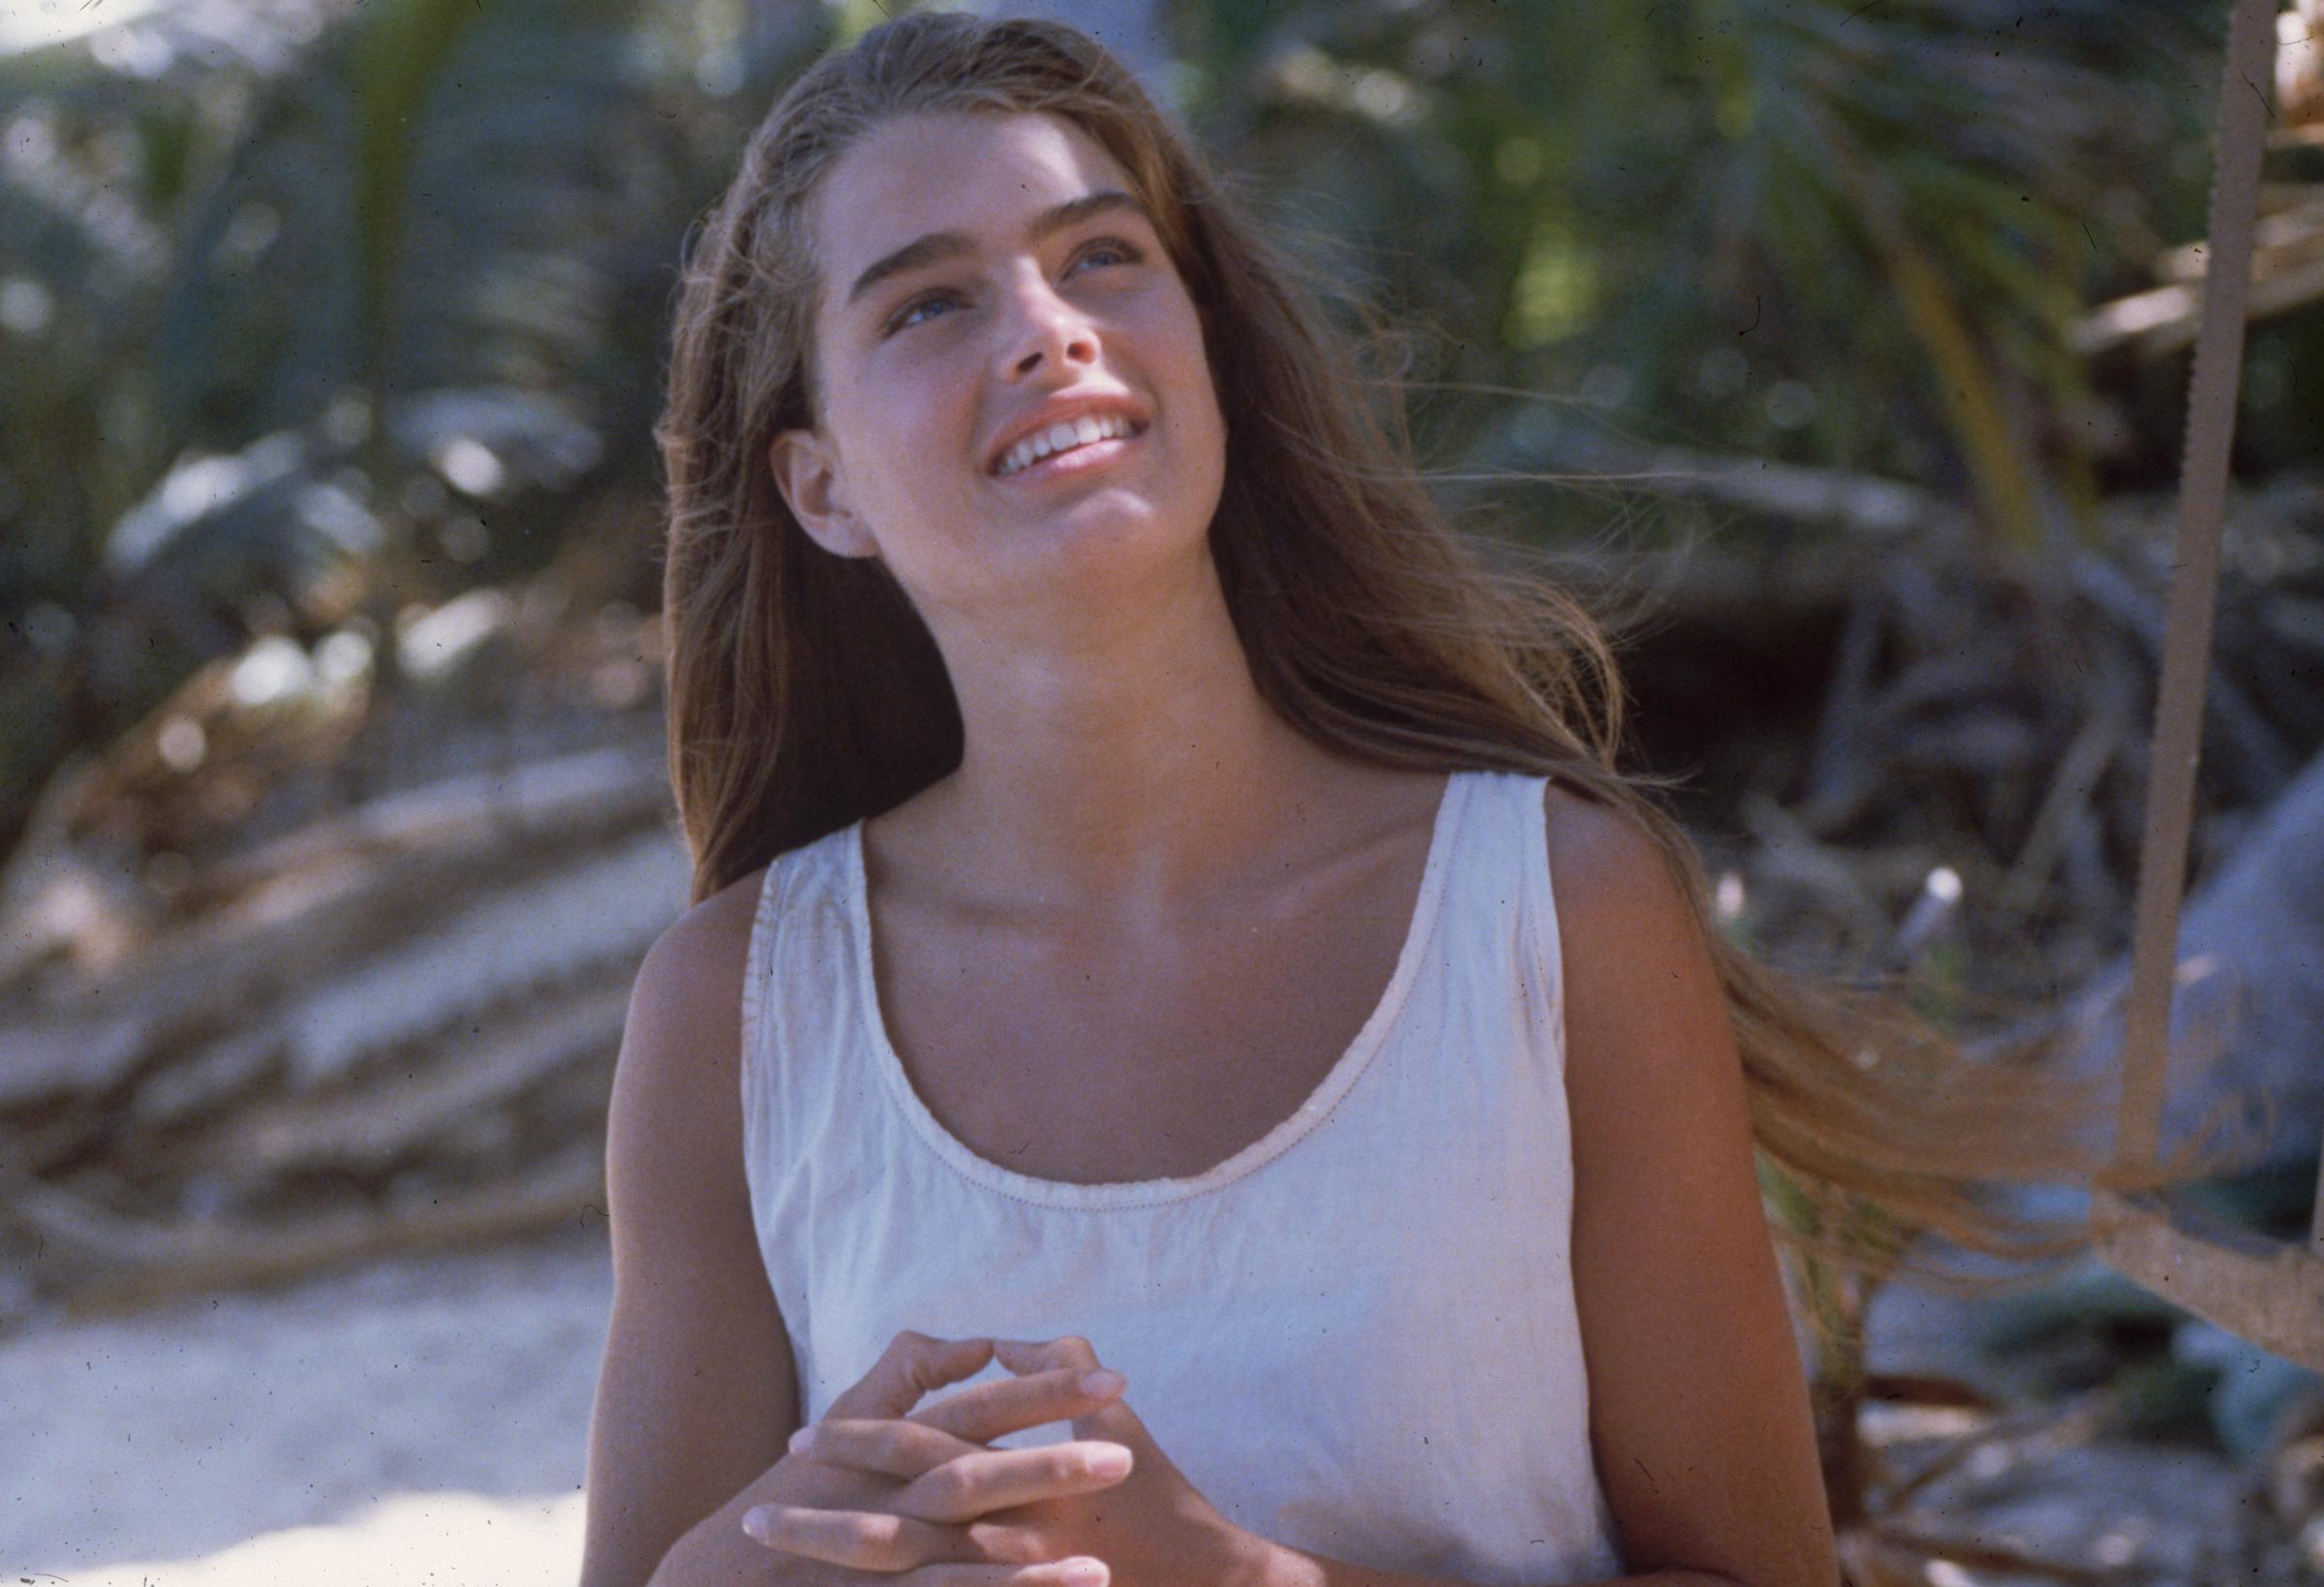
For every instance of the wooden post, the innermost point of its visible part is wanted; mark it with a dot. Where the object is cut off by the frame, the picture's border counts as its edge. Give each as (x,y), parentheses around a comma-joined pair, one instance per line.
(2271,1292)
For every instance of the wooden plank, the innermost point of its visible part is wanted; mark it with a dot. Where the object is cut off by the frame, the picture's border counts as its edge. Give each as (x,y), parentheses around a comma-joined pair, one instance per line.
(2267,1291)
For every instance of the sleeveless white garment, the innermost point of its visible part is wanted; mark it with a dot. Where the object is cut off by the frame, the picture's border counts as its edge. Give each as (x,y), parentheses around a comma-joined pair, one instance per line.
(1356,1336)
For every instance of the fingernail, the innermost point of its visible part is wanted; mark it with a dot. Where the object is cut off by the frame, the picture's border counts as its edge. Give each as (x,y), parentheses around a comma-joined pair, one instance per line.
(1110,1463)
(803,1438)
(1085,1573)
(1103,1382)
(755,1523)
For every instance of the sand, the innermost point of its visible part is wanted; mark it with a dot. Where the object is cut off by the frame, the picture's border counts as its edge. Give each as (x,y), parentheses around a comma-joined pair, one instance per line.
(423,1422)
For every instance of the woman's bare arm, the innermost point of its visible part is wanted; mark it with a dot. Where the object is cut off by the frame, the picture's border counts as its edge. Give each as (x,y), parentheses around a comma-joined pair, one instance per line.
(697,1393)
(1698,1406)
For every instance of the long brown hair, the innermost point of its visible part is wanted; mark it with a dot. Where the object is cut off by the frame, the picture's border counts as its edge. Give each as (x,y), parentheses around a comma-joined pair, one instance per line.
(805,692)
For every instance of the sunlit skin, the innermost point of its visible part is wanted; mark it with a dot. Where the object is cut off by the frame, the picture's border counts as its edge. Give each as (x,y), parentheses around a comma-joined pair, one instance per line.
(1115,742)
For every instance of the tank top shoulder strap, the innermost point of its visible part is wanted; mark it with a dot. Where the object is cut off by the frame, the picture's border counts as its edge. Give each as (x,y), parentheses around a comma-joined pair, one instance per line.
(798,935)
(1503,909)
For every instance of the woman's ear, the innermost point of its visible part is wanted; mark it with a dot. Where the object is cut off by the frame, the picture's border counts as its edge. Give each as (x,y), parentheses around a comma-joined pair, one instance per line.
(808,473)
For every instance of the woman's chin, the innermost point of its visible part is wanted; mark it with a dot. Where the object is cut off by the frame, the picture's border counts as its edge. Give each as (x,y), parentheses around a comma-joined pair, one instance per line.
(1110,536)
(1099,517)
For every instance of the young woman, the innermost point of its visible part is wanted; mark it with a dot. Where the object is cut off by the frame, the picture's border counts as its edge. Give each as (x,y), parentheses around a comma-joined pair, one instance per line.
(1165,903)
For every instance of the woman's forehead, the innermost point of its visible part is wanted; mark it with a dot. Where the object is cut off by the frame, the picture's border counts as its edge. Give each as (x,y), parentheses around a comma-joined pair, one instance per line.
(971,173)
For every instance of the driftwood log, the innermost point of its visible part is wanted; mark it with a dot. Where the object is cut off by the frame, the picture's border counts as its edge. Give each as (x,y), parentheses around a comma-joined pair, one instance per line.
(393,1029)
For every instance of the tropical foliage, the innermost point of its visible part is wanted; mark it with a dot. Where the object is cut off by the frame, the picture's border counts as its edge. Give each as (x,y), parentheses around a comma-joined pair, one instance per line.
(318,313)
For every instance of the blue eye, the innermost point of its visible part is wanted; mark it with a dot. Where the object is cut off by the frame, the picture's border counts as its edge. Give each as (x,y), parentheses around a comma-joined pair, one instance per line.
(909,315)
(1126,253)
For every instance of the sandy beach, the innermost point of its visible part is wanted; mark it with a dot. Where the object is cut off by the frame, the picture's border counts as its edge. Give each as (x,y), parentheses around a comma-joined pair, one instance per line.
(422,1422)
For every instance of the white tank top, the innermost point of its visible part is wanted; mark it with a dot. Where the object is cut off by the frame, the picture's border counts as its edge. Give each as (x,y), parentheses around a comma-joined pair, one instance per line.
(1355,1336)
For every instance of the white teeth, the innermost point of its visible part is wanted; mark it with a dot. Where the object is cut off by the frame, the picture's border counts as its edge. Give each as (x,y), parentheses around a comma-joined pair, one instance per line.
(1058,438)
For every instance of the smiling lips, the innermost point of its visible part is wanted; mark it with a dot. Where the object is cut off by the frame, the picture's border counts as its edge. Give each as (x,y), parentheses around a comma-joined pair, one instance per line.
(1087,431)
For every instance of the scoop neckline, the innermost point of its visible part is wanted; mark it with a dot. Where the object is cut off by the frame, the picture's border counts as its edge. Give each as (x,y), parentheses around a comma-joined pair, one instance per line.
(1120,1193)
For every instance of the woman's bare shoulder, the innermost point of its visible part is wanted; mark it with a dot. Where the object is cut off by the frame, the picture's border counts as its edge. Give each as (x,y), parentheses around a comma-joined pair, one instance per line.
(1601,859)
(689,989)
(707,944)
(1634,945)
(674,1122)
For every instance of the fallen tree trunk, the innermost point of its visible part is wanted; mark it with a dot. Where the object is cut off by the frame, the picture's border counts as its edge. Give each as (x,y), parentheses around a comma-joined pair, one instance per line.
(376,1033)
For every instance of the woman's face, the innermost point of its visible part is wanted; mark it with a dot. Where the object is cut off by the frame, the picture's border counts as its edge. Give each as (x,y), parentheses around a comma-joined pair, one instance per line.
(1015,396)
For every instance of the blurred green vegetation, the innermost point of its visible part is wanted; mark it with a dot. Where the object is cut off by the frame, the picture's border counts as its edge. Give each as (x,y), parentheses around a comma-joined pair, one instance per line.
(315,314)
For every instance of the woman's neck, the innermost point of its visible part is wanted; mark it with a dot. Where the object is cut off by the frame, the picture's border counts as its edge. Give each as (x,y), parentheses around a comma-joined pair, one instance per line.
(1130,769)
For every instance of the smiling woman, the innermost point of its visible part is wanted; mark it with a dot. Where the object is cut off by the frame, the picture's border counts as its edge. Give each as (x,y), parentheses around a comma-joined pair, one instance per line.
(1166,902)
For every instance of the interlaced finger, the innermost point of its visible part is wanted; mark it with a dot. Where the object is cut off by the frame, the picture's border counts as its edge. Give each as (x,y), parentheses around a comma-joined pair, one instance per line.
(911,1367)
(859,1539)
(1078,1571)
(1035,1356)
(995,1480)
(892,1448)
(1009,1405)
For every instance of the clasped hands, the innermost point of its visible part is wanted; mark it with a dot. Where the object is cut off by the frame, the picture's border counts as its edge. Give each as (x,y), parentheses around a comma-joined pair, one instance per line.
(886,1494)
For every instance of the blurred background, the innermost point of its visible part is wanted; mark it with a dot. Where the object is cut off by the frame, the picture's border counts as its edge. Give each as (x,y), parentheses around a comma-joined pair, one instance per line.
(1843,346)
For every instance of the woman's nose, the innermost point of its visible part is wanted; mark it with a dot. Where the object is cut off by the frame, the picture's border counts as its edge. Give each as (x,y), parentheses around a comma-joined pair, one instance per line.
(1045,330)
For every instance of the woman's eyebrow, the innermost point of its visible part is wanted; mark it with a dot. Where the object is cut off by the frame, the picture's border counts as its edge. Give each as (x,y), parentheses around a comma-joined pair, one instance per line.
(938,246)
